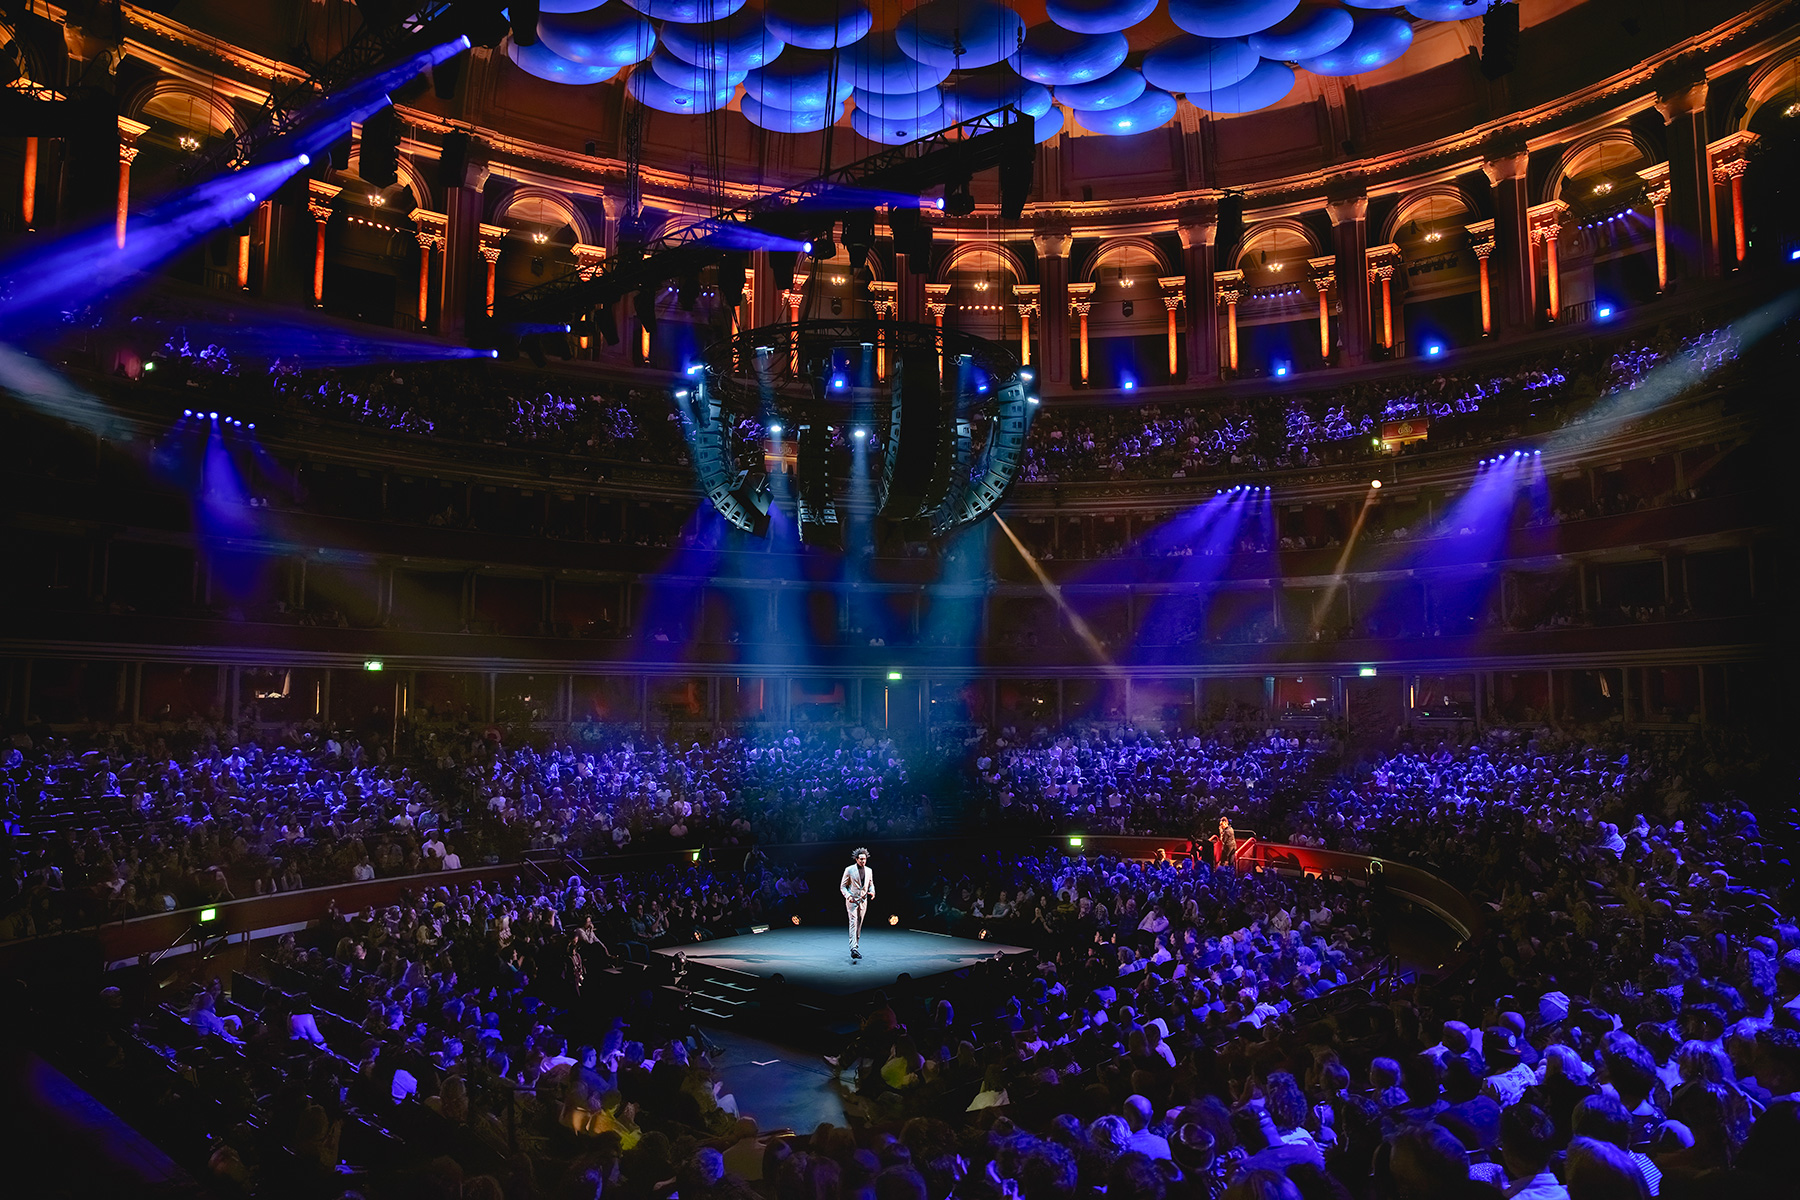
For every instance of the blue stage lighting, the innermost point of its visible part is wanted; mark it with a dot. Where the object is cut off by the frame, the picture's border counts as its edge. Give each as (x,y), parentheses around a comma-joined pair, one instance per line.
(1027,374)
(859,433)
(1032,400)
(774,429)
(1434,349)
(306,160)
(839,383)
(806,247)
(212,416)
(493,354)
(187,412)
(1130,385)
(1281,370)
(1794,255)
(939,204)
(1604,311)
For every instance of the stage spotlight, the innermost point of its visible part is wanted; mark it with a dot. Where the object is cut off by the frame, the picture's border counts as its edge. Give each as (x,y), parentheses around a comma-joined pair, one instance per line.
(893,920)
(823,249)
(776,429)
(1433,349)
(1375,485)
(859,433)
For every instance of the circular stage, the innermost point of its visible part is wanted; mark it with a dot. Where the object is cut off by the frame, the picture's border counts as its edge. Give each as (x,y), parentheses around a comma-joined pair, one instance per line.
(817,958)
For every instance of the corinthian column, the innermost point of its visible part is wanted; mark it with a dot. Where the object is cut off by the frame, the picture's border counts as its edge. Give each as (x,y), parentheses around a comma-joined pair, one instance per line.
(1657,191)
(1730,159)
(1481,241)
(319,197)
(129,132)
(1546,224)
(428,232)
(1081,302)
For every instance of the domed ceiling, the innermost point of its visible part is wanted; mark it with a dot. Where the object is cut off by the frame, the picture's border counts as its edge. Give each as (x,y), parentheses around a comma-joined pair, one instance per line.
(896,72)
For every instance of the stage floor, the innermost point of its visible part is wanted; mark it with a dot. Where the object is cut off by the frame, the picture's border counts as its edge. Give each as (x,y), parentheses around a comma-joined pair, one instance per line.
(819,958)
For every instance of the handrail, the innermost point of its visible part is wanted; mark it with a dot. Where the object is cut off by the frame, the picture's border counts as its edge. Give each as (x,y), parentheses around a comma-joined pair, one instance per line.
(136,936)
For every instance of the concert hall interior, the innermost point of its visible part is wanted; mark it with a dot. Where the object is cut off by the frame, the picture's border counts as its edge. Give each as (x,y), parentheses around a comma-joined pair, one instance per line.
(898,599)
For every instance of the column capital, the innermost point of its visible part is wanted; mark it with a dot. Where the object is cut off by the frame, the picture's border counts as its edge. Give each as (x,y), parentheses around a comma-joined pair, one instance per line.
(1230,285)
(1730,155)
(319,199)
(490,238)
(430,227)
(588,259)
(1322,271)
(1052,239)
(884,297)
(1198,227)
(1349,208)
(1383,258)
(1481,237)
(1545,220)
(1081,298)
(1656,183)
(129,132)
(937,291)
(1174,290)
(1680,88)
(1502,168)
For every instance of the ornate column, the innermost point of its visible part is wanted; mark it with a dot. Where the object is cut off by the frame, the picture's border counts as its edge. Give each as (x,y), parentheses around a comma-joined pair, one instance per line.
(588,261)
(1481,241)
(1172,289)
(1081,302)
(1025,299)
(319,197)
(1382,262)
(1323,273)
(1681,99)
(1512,240)
(1052,240)
(429,232)
(1230,289)
(1730,159)
(1656,185)
(243,258)
(937,300)
(1199,229)
(1350,231)
(884,298)
(28,195)
(492,238)
(1546,222)
(129,132)
(794,297)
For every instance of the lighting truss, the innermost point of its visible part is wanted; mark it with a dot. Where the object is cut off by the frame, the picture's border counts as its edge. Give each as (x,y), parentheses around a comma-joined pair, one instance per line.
(951,154)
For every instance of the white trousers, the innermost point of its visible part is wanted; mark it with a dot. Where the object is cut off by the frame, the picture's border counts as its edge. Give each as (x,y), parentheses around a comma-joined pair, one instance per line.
(856,910)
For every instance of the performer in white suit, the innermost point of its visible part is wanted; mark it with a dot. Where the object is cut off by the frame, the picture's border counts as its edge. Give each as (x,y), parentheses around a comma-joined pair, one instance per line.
(858,888)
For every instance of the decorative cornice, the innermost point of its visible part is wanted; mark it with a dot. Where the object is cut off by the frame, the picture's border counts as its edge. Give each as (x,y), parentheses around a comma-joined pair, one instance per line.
(1731,155)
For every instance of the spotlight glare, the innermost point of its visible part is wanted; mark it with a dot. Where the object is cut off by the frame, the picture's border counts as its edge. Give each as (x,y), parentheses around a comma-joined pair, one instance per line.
(1375,485)
(212,416)
(1032,400)
(306,160)
(806,247)
(774,429)
(493,354)
(250,196)
(859,433)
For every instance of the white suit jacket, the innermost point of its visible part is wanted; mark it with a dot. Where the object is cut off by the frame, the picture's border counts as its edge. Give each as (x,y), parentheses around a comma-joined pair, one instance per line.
(848,884)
